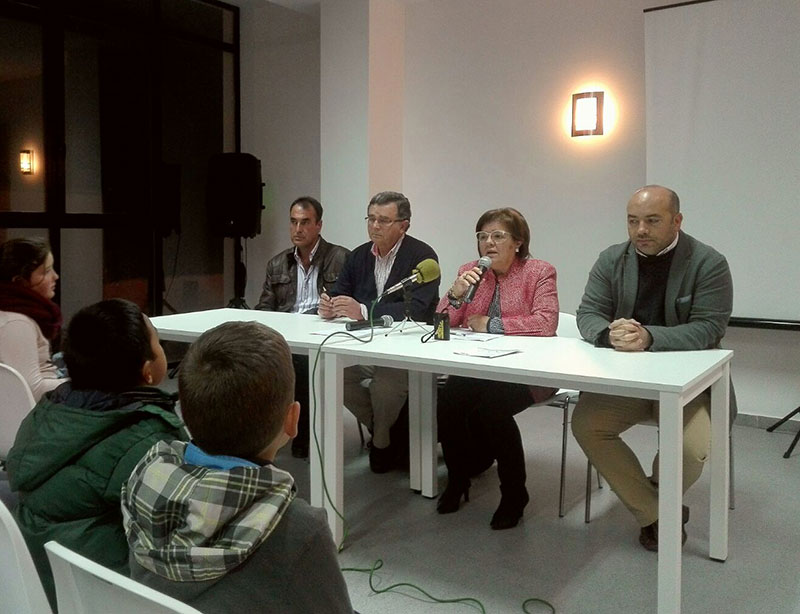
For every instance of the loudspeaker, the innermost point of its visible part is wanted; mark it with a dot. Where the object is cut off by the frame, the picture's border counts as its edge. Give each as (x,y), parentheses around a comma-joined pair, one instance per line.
(233,194)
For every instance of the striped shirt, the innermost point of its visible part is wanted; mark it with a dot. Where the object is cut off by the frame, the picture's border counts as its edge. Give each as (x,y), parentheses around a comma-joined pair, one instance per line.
(307,294)
(383,266)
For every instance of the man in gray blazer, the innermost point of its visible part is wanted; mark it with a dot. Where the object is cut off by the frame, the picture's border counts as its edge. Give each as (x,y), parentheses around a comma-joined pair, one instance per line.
(661,290)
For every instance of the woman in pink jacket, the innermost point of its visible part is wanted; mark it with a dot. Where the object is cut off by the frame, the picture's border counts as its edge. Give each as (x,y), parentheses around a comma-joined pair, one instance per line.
(516,296)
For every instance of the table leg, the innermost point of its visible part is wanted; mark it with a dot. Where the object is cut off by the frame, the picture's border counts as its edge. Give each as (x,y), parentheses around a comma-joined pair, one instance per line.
(670,496)
(720,467)
(415,429)
(426,436)
(316,385)
(332,474)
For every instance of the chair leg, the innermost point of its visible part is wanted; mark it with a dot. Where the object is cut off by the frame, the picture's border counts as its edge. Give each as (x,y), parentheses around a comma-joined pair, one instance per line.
(732,498)
(587,517)
(561,492)
(361,434)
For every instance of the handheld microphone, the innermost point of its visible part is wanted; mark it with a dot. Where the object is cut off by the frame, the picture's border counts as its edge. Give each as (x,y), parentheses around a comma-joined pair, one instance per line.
(384,322)
(483,264)
(425,271)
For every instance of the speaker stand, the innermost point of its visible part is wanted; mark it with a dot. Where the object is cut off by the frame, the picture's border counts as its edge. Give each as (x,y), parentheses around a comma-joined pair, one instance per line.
(796,437)
(239,277)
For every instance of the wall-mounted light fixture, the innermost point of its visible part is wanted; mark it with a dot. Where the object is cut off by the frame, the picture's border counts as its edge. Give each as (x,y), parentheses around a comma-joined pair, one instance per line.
(587,113)
(26,161)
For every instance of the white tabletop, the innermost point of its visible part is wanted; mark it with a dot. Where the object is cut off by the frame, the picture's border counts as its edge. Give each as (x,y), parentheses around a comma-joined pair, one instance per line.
(546,361)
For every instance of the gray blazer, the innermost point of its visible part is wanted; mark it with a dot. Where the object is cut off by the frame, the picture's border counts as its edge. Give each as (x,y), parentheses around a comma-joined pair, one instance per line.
(698,301)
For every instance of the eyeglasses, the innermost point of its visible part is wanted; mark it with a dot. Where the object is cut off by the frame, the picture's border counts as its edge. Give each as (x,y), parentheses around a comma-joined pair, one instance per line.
(498,236)
(381,222)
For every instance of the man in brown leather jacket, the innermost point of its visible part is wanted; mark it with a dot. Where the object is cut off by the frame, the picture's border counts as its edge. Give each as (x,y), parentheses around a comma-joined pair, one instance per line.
(295,279)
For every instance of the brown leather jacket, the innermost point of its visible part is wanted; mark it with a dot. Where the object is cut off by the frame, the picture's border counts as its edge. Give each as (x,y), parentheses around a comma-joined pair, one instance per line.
(280,285)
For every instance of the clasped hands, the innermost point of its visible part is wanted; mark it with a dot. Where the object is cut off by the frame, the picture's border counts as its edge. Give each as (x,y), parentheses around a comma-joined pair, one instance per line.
(628,336)
(339,306)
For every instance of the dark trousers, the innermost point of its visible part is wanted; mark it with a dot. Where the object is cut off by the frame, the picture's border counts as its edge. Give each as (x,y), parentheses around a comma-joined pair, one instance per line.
(301,394)
(476,425)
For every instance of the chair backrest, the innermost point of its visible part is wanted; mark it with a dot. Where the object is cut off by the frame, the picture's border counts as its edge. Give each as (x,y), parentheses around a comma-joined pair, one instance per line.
(567,326)
(86,587)
(17,403)
(21,591)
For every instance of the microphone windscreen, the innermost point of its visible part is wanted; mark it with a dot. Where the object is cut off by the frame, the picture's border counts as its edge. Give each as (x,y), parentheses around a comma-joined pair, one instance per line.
(427,270)
(485,262)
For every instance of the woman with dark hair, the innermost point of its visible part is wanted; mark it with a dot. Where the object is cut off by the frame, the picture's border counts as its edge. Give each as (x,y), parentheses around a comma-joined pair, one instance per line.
(29,319)
(516,296)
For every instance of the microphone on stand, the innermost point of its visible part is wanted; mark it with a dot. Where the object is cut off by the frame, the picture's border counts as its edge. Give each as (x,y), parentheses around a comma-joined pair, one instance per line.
(383,322)
(425,271)
(483,264)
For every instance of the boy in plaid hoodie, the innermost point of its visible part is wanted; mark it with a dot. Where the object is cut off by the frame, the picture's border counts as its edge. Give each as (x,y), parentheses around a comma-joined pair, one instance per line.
(213,522)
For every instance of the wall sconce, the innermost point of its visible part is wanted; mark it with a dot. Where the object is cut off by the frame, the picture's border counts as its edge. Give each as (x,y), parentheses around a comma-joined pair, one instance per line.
(26,161)
(587,113)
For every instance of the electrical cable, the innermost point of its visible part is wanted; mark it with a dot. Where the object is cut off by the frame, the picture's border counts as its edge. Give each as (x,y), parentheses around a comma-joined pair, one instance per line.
(379,562)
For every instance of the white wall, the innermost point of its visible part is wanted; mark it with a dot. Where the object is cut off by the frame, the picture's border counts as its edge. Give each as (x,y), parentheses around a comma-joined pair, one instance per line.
(280,91)
(486,85)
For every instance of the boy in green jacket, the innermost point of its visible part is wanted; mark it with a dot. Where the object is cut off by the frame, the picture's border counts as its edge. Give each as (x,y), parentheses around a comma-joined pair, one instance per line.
(80,443)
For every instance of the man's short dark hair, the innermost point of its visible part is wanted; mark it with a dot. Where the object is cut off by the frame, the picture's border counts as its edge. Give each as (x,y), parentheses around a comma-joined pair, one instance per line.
(235,384)
(106,346)
(516,224)
(387,198)
(308,201)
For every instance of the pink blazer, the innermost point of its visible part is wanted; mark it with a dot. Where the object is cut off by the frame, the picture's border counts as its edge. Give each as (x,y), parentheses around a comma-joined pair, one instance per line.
(528,299)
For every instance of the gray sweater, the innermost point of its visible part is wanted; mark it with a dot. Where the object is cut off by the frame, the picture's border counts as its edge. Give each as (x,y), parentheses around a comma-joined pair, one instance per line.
(295,571)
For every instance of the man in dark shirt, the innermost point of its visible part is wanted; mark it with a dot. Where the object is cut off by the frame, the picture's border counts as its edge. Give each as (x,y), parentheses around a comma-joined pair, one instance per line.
(388,257)
(661,290)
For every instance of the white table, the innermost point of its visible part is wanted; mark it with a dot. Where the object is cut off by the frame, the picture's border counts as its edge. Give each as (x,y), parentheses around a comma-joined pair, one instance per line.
(672,378)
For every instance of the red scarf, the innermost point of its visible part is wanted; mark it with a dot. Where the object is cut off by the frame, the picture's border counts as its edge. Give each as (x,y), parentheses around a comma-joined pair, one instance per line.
(19,299)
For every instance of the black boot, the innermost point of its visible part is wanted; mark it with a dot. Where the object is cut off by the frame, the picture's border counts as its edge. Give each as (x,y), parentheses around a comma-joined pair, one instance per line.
(450,499)
(510,509)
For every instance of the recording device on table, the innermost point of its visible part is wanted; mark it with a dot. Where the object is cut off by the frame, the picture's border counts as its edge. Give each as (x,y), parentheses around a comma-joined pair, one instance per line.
(383,322)
(483,264)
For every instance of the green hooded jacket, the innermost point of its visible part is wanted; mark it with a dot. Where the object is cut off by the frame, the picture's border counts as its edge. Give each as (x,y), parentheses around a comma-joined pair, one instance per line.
(70,458)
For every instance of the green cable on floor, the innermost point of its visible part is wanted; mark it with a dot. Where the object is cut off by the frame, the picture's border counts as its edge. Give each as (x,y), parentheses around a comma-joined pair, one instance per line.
(379,563)
(465,600)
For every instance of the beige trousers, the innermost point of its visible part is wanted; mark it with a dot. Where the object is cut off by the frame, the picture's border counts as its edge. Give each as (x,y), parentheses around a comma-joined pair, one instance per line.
(378,404)
(597,423)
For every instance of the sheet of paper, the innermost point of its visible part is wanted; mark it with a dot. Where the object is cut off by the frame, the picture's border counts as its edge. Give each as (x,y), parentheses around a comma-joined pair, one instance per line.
(485,352)
(469,335)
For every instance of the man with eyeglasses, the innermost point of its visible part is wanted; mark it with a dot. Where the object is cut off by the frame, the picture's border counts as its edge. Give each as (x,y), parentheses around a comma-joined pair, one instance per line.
(662,290)
(295,279)
(388,257)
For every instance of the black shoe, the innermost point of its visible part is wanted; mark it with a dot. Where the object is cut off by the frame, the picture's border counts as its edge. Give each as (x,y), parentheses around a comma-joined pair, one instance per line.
(450,499)
(299,448)
(648,536)
(510,510)
(381,460)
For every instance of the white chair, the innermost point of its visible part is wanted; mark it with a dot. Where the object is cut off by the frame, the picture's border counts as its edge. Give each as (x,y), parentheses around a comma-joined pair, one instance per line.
(21,590)
(17,403)
(86,587)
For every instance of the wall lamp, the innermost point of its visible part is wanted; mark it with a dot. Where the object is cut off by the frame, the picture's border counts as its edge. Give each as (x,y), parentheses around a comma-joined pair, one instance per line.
(587,113)
(26,161)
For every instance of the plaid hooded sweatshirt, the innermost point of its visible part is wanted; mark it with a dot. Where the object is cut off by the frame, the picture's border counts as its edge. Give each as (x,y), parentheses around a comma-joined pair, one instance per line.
(224,534)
